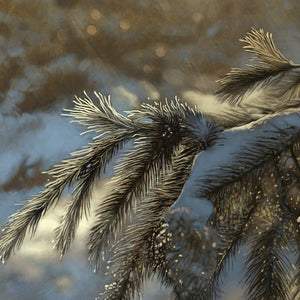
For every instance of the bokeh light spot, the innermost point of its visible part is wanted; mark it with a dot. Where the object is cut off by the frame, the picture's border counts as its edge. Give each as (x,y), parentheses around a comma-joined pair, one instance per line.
(95,14)
(160,51)
(147,69)
(124,25)
(197,17)
(91,30)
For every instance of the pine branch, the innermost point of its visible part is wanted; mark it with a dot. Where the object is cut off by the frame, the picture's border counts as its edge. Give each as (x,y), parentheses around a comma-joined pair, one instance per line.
(132,262)
(295,159)
(129,260)
(168,111)
(82,167)
(230,195)
(136,175)
(274,75)
(294,239)
(29,217)
(263,46)
(186,266)
(170,122)
(268,265)
(102,118)
(95,160)
(243,149)
(234,210)
(251,173)
(296,279)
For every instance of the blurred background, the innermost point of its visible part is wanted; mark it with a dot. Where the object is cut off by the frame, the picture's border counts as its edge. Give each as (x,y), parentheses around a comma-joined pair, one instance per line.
(135,50)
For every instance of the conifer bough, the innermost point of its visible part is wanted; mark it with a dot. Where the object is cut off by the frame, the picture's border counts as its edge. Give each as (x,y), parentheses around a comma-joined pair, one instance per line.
(246,157)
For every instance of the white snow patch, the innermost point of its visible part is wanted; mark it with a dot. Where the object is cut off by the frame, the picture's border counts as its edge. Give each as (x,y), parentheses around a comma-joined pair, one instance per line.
(234,144)
(50,138)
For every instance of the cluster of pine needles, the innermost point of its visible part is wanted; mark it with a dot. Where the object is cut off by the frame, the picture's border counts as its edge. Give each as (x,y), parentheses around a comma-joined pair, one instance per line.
(255,191)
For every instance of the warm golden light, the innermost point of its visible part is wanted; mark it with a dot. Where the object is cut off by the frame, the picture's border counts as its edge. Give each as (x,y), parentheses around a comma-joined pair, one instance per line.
(147,69)
(197,17)
(91,30)
(160,51)
(124,25)
(95,14)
